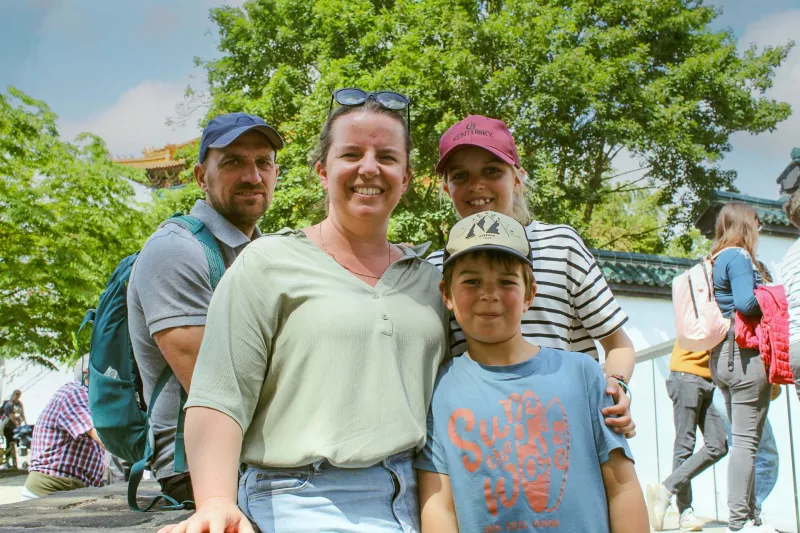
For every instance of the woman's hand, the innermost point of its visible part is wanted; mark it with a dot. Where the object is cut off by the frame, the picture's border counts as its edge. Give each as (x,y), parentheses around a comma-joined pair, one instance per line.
(218,515)
(618,416)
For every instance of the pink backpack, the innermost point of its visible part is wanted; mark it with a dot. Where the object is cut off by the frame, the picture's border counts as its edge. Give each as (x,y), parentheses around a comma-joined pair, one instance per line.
(699,324)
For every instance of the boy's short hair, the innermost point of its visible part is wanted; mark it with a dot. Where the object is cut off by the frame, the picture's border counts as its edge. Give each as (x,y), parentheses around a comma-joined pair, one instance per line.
(496,258)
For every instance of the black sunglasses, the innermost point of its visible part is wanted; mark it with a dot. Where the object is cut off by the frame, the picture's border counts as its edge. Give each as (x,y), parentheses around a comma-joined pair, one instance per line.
(387,99)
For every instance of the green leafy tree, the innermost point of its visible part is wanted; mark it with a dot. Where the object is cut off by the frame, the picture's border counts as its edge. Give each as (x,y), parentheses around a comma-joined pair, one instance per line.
(67,217)
(578,82)
(637,221)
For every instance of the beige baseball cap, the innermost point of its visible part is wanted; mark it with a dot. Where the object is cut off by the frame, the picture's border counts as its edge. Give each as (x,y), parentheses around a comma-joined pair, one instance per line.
(488,230)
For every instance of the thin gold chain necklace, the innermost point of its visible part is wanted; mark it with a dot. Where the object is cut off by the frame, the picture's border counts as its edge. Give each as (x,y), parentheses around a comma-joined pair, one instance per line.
(389,257)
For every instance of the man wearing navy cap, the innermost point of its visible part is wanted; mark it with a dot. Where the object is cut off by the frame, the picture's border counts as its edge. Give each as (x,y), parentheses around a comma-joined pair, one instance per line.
(170,287)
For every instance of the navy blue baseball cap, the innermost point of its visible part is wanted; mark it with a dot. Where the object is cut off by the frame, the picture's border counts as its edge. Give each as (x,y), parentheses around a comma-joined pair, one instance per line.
(225,129)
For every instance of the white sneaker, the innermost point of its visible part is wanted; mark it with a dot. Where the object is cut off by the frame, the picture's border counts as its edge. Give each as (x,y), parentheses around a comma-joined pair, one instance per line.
(657,502)
(689,522)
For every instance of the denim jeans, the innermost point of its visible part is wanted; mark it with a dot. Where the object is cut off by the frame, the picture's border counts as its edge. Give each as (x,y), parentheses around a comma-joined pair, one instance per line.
(767,460)
(740,376)
(691,403)
(321,497)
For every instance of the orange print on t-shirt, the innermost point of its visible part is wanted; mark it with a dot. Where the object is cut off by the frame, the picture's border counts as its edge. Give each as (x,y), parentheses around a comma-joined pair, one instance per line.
(526,447)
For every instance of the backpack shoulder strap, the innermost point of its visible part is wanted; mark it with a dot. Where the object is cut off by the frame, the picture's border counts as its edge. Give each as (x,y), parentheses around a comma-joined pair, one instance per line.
(207,241)
(137,470)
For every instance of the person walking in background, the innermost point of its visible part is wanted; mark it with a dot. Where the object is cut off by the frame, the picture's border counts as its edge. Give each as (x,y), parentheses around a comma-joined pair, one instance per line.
(66,453)
(13,416)
(767,458)
(739,373)
(790,275)
(691,390)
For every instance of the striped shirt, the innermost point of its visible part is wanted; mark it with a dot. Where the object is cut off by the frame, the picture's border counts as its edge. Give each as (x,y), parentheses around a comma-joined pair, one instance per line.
(790,275)
(60,445)
(573,304)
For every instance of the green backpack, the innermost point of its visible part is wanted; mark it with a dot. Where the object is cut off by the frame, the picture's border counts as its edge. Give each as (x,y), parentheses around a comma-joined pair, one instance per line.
(120,416)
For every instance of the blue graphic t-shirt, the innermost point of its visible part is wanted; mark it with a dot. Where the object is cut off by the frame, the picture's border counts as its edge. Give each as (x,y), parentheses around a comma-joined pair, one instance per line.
(523,444)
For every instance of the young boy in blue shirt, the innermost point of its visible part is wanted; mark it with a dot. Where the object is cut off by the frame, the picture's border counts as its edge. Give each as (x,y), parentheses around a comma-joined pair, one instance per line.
(516,438)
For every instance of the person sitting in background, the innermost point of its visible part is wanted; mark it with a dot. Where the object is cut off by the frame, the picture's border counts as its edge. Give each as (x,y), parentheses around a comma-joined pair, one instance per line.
(66,453)
(691,390)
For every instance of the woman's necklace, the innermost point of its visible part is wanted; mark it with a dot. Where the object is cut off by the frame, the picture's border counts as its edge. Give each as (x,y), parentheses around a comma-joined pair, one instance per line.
(389,257)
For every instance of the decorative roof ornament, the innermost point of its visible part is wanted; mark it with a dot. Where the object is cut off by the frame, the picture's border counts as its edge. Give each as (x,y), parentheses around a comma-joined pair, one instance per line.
(789,180)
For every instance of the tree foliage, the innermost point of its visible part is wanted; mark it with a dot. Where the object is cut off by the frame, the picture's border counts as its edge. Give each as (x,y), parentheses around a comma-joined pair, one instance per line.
(578,81)
(66,218)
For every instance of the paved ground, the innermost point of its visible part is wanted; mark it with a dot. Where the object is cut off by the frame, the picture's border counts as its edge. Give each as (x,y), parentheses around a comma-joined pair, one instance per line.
(84,510)
(103,509)
(11,486)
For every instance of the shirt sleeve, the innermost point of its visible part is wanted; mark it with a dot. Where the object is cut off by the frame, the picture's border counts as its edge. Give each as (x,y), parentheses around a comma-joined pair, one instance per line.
(234,356)
(595,304)
(74,416)
(740,274)
(172,280)
(431,458)
(605,439)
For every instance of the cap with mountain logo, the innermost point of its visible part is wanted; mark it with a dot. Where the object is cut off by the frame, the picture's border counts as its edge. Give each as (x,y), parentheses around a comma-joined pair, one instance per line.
(488,230)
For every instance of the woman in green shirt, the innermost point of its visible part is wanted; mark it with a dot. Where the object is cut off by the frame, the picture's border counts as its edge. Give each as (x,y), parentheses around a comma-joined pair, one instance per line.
(320,353)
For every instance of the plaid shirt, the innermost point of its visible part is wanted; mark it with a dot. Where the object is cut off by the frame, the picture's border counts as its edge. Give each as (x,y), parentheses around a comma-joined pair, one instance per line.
(60,445)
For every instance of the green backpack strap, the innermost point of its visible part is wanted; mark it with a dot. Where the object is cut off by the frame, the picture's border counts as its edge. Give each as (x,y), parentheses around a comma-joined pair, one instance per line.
(137,470)
(87,319)
(216,266)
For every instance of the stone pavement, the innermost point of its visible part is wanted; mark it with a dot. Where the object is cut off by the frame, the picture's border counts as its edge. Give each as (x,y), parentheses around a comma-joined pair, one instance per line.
(105,508)
(87,510)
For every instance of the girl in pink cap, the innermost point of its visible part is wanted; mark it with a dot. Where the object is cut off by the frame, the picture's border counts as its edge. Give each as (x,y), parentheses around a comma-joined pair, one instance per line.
(574,306)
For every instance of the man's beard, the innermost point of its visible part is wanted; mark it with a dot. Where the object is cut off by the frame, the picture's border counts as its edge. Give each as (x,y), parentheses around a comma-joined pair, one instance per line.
(236,214)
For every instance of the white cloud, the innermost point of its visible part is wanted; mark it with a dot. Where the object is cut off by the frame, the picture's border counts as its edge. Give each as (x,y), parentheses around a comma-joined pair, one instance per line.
(773,30)
(138,119)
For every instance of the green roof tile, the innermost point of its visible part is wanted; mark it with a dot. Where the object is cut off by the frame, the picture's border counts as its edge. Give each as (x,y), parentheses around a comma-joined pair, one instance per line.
(624,268)
(769,211)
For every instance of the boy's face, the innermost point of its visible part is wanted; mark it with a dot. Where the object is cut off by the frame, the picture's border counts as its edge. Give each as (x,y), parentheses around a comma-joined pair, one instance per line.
(487,299)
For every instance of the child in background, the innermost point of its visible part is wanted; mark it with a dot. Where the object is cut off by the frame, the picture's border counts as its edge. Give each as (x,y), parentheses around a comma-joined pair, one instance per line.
(516,438)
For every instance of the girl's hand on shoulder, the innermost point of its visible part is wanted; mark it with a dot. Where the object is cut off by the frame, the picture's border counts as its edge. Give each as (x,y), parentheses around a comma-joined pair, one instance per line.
(618,416)
(218,515)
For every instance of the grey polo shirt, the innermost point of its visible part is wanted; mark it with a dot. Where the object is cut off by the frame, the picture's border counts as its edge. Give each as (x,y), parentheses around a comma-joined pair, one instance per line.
(170,286)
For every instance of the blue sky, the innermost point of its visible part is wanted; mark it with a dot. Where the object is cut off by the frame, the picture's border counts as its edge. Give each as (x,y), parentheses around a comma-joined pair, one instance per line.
(119,69)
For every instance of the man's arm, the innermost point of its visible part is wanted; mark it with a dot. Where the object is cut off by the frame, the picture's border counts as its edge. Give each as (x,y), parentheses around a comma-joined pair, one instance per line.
(436,503)
(620,360)
(180,347)
(92,434)
(627,512)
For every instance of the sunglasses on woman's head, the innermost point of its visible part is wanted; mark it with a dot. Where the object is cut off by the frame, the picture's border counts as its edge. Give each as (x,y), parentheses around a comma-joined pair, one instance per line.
(387,99)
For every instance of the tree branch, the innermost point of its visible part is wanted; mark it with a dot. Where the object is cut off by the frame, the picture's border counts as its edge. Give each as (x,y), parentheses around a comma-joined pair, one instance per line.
(609,178)
(639,234)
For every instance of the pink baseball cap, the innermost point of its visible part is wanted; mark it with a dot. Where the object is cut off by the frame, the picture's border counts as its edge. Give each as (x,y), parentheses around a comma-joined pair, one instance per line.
(484,132)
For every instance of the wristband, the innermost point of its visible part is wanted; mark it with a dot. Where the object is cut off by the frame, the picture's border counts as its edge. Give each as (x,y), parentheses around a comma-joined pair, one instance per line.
(623,384)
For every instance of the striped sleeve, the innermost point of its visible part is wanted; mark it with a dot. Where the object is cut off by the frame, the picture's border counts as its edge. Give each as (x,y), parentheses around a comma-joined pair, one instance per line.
(436,259)
(790,276)
(595,304)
